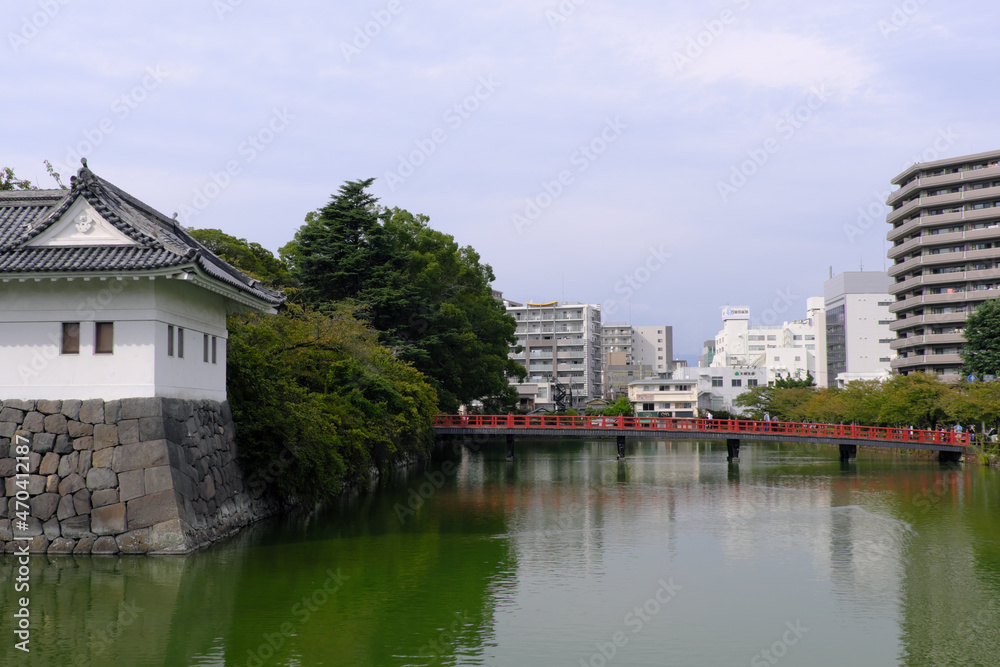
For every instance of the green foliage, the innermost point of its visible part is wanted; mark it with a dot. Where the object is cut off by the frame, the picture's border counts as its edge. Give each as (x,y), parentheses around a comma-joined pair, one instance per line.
(789,383)
(318,402)
(430,299)
(981,352)
(9,181)
(621,406)
(250,258)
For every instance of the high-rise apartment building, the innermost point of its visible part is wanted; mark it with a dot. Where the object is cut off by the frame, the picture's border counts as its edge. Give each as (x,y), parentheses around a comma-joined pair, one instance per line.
(945,257)
(858,338)
(561,350)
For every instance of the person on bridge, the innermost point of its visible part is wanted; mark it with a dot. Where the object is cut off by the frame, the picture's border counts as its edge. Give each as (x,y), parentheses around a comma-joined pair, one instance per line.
(767,420)
(708,416)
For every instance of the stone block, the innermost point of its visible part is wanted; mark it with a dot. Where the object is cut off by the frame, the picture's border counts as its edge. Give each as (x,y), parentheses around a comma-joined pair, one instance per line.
(152,509)
(8,468)
(44,506)
(112,411)
(19,404)
(158,479)
(43,442)
(38,544)
(177,408)
(71,408)
(208,487)
(101,478)
(134,541)
(30,528)
(140,455)
(65,509)
(62,545)
(137,408)
(12,415)
(56,424)
(36,485)
(6,532)
(131,484)
(108,520)
(103,497)
(48,407)
(34,422)
(92,411)
(104,546)
(128,431)
(7,429)
(76,527)
(51,528)
(34,460)
(49,464)
(151,428)
(64,444)
(168,537)
(84,545)
(174,430)
(68,464)
(79,429)
(105,435)
(71,484)
(84,443)
(84,466)
(52,484)
(102,458)
(81,502)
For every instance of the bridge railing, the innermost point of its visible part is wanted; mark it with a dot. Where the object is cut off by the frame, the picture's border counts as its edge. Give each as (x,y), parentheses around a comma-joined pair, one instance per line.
(735,426)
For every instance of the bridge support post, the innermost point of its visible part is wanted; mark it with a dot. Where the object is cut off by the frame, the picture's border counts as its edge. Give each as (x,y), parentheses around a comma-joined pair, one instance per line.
(949,457)
(621,447)
(848,452)
(510,446)
(733,449)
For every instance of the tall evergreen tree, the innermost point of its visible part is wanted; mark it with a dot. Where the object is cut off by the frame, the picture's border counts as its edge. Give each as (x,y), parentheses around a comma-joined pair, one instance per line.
(981,354)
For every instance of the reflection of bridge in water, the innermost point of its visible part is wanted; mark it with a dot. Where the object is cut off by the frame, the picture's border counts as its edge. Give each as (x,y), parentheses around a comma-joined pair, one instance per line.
(948,444)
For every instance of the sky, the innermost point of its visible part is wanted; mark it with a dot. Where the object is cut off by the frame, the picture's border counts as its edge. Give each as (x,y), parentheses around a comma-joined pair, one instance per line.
(660,158)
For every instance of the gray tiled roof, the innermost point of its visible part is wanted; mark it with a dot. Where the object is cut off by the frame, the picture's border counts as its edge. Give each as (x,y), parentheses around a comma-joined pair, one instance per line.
(162,243)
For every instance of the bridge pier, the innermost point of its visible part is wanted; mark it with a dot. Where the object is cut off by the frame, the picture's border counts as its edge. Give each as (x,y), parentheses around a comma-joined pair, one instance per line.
(949,457)
(621,447)
(510,446)
(848,452)
(733,449)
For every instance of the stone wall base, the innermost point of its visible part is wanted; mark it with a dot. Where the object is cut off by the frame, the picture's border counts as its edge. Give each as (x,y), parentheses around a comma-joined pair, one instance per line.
(134,476)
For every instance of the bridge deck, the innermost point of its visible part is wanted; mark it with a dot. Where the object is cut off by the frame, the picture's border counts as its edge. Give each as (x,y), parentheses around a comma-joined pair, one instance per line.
(701,429)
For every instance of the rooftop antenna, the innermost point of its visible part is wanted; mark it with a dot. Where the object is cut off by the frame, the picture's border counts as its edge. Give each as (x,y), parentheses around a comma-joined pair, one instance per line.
(831,270)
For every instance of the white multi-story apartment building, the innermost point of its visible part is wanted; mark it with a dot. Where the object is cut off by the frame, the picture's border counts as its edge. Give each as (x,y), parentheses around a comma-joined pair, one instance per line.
(718,387)
(858,336)
(644,345)
(795,349)
(561,351)
(657,397)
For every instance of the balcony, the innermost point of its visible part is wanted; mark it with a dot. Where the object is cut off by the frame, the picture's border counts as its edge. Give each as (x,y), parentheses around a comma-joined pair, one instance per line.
(932,360)
(918,320)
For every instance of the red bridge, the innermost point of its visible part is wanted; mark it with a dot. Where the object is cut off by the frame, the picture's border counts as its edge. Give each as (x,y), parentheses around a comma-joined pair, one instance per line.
(949,444)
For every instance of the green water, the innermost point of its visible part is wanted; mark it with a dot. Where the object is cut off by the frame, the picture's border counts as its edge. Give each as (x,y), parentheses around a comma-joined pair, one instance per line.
(565,557)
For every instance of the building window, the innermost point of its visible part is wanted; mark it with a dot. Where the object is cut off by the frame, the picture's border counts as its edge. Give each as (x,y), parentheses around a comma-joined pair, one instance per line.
(716,382)
(648,407)
(214,350)
(737,382)
(752,382)
(204,345)
(170,340)
(884,360)
(71,338)
(180,342)
(104,338)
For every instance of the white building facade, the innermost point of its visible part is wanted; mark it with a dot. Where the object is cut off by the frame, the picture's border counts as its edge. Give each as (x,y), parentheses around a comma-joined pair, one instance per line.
(103,297)
(561,350)
(664,398)
(858,320)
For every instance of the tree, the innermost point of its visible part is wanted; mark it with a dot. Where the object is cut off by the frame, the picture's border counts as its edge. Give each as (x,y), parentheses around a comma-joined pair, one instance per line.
(251,258)
(8,181)
(621,406)
(981,354)
(916,399)
(430,299)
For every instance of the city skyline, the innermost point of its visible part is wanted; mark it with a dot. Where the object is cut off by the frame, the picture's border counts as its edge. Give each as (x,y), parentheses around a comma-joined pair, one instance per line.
(661,159)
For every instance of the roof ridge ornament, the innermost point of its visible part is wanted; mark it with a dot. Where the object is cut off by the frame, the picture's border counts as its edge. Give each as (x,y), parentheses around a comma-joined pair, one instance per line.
(84,178)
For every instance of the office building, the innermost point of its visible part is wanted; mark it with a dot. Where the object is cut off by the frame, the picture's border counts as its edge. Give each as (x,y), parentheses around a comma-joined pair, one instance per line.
(858,337)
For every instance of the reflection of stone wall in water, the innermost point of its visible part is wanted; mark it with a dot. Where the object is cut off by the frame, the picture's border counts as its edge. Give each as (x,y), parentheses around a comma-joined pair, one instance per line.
(137,475)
